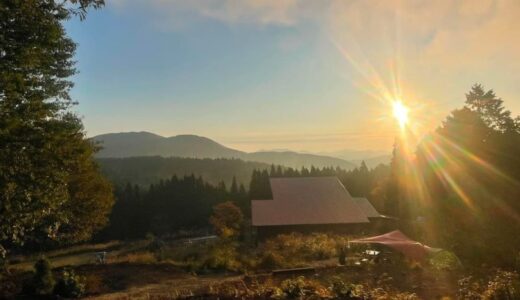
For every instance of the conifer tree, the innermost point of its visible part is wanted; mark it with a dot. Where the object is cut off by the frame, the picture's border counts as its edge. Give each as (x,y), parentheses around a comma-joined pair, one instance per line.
(45,160)
(234,187)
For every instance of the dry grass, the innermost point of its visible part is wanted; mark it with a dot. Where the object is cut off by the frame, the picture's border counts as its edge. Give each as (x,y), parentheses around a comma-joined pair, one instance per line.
(77,255)
(135,272)
(145,257)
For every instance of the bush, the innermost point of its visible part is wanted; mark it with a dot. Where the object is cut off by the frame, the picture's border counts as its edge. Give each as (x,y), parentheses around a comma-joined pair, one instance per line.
(226,219)
(223,256)
(70,285)
(504,286)
(342,290)
(271,260)
(264,290)
(294,288)
(303,288)
(42,283)
(445,260)
(295,249)
(469,289)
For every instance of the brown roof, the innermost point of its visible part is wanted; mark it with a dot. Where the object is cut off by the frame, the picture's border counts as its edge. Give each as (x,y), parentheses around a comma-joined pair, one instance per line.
(307,200)
(366,207)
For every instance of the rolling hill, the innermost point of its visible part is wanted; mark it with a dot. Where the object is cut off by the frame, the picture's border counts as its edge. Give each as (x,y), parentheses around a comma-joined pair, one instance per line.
(145,170)
(139,144)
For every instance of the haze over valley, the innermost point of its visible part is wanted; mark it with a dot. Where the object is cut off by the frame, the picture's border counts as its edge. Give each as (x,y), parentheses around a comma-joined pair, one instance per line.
(132,144)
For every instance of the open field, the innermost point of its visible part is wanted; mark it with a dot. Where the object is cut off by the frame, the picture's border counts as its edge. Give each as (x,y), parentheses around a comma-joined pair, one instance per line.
(133,271)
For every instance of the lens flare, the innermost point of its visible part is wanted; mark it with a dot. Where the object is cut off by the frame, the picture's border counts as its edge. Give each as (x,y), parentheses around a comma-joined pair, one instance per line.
(400,113)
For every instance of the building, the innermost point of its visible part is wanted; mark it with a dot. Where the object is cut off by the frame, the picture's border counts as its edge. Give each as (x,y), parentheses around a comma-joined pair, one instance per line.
(310,204)
(367,208)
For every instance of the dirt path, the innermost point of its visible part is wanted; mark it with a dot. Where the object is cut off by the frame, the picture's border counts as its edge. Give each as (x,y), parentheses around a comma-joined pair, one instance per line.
(173,288)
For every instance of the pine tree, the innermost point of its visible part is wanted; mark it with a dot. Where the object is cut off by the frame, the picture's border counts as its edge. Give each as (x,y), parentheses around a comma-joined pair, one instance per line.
(234,187)
(45,160)
(394,192)
(490,108)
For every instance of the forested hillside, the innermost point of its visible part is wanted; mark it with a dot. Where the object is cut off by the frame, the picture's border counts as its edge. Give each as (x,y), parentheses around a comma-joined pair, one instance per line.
(144,171)
(137,144)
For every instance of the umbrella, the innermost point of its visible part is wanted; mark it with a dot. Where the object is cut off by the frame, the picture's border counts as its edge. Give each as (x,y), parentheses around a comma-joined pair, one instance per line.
(397,240)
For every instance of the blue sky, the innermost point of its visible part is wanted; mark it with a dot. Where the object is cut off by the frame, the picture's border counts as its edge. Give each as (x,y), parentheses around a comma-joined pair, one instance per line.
(288,74)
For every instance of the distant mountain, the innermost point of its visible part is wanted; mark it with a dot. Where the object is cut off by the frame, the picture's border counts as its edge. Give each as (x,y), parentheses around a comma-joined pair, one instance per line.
(133,144)
(297,160)
(356,155)
(372,158)
(375,161)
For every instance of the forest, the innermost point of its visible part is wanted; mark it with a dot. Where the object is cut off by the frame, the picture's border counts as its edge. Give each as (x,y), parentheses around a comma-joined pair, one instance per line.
(185,202)
(144,171)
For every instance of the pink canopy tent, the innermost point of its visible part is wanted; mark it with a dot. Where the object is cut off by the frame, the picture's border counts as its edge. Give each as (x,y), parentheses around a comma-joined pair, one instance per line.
(400,242)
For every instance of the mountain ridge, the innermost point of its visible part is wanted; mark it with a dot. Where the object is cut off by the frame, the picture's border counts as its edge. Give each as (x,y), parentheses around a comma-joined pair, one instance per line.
(143,143)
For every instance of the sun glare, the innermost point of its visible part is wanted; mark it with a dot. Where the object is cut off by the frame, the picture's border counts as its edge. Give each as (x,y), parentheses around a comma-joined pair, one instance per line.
(400,113)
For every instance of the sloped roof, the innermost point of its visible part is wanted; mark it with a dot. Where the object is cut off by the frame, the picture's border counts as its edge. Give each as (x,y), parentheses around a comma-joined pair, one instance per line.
(367,207)
(307,200)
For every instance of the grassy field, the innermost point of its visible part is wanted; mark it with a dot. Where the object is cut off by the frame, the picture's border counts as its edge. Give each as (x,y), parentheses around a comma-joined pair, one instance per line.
(142,270)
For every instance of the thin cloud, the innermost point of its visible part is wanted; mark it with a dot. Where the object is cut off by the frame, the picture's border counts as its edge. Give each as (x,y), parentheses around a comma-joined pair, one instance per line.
(427,51)
(265,12)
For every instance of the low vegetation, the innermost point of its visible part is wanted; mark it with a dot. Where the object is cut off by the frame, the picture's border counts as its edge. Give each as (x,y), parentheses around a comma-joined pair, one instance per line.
(229,268)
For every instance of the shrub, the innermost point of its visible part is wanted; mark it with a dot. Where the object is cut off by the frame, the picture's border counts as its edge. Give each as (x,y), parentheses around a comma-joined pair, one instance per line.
(70,285)
(445,260)
(42,283)
(271,260)
(227,219)
(469,289)
(264,291)
(295,248)
(303,288)
(503,286)
(294,288)
(223,256)
(342,290)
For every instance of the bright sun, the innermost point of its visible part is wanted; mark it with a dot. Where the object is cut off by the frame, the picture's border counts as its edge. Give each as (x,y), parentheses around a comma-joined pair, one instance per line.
(400,113)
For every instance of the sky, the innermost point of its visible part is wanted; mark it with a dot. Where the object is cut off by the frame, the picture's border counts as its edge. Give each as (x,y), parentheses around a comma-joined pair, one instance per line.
(314,76)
